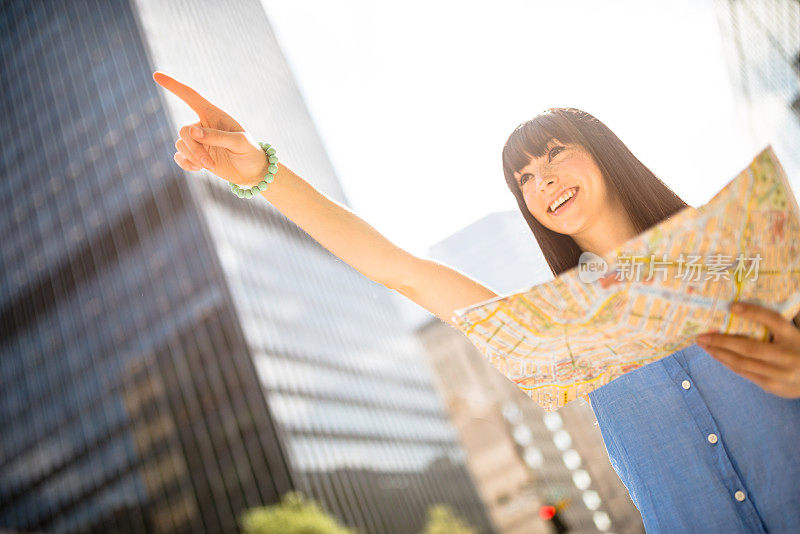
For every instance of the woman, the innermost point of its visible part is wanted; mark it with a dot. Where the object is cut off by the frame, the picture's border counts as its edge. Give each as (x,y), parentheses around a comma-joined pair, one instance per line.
(702,444)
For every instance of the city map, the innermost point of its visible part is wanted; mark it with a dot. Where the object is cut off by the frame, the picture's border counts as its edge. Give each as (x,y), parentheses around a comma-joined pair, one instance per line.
(652,295)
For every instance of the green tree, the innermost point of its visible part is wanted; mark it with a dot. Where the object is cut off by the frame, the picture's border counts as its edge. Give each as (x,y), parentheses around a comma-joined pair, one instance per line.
(293,515)
(442,520)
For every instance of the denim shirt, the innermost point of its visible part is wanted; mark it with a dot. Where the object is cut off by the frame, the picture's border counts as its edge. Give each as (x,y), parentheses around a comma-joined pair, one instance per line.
(701,448)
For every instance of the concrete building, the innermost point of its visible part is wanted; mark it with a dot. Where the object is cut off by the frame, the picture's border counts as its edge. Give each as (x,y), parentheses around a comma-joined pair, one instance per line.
(521,457)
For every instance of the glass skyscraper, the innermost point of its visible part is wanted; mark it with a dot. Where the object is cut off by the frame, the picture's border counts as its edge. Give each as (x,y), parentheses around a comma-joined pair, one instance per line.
(762,48)
(170,354)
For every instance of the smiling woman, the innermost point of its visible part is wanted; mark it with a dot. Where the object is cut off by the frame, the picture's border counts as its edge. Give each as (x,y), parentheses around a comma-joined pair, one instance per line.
(580,188)
(705,438)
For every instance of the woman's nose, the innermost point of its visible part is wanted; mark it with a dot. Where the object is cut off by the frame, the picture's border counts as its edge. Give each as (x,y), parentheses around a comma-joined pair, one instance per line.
(545,183)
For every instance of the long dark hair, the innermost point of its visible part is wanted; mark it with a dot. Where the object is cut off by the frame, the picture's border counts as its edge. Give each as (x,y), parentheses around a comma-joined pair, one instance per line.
(646,199)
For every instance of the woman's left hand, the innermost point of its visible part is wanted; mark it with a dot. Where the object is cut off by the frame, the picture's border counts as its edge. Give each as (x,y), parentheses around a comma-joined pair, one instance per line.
(774,365)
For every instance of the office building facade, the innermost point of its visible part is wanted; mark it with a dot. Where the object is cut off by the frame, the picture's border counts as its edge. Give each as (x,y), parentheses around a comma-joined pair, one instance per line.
(761,43)
(172,355)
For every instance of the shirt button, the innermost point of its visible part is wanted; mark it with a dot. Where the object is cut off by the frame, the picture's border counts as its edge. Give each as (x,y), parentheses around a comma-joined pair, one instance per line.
(739,495)
(686,384)
(712,438)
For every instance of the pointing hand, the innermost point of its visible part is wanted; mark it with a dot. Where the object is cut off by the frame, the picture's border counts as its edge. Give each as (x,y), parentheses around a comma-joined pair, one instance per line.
(216,142)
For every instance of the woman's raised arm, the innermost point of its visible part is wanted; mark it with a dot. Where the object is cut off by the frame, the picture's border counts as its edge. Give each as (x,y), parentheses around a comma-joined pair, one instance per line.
(227,151)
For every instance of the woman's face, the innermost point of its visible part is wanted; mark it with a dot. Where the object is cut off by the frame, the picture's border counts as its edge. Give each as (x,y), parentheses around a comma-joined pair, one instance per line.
(565,170)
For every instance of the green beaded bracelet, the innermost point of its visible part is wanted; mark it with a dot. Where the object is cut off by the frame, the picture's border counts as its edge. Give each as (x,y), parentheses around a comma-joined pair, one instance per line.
(262,185)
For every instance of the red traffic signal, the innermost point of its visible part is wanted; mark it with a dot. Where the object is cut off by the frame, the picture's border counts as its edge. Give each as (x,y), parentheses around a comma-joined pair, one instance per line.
(547,512)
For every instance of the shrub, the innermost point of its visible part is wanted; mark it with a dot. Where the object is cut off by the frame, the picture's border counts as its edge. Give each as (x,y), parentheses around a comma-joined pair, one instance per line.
(293,515)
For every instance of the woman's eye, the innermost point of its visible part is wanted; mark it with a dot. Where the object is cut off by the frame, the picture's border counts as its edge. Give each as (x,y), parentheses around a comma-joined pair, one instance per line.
(524,178)
(554,148)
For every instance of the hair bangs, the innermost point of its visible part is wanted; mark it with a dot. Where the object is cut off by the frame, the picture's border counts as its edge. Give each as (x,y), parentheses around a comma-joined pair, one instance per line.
(531,138)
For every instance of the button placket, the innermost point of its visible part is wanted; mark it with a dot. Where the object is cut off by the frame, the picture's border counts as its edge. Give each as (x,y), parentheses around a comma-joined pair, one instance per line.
(677,369)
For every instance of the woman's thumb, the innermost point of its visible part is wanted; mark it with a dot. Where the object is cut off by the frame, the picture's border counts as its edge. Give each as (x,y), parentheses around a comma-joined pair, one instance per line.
(221,138)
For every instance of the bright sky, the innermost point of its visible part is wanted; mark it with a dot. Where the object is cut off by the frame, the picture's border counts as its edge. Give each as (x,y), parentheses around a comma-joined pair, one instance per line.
(414,100)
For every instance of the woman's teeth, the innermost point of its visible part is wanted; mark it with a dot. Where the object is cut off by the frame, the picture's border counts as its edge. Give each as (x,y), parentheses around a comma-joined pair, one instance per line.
(562,199)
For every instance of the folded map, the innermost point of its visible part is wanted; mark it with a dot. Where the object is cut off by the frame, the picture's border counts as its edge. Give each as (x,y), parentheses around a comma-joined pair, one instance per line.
(652,295)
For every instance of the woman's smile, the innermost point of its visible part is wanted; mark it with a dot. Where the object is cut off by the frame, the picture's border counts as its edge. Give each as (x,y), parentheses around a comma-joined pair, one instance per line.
(566,204)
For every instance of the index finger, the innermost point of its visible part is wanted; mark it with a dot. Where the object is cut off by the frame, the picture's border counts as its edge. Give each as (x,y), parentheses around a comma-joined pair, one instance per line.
(774,321)
(195,101)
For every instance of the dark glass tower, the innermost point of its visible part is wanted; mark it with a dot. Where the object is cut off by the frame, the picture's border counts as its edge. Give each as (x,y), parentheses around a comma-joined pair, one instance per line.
(761,41)
(170,354)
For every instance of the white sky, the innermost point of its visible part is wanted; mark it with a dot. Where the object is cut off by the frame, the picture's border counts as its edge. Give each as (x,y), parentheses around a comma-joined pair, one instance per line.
(414,100)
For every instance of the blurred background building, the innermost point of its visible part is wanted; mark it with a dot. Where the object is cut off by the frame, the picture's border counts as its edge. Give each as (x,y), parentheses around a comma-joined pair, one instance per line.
(497,249)
(762,49)
(521,456)
(172,355)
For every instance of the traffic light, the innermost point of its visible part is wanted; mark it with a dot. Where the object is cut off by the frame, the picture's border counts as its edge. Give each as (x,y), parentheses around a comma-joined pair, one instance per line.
(550,514)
